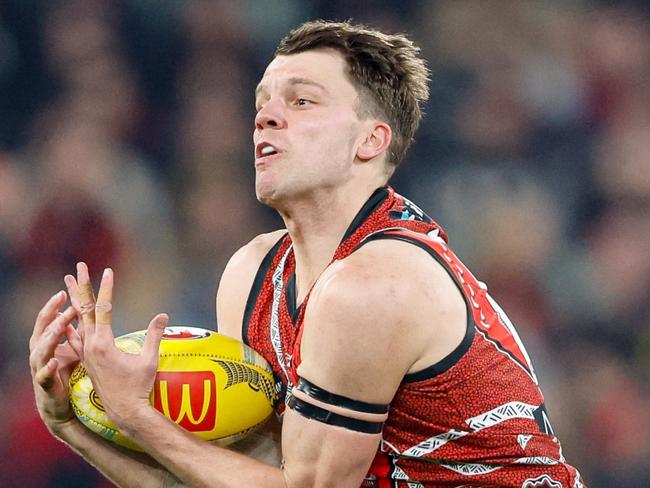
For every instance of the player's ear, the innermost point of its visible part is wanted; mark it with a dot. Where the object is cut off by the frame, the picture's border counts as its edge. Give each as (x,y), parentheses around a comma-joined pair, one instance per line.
(376,141)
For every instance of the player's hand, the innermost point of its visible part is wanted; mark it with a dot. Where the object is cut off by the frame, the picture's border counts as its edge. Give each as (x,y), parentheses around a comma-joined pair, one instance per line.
(51,361)
(122,380)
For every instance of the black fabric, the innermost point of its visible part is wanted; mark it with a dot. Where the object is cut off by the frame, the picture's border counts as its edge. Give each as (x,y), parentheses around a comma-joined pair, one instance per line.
(256,288)
(375,200)
(318,393)
(313,412)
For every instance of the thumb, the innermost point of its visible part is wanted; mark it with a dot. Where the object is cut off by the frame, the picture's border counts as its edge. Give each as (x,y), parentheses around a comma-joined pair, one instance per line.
(154,335)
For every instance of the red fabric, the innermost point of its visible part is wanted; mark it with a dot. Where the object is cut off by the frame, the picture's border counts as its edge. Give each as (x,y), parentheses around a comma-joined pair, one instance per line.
(477,423)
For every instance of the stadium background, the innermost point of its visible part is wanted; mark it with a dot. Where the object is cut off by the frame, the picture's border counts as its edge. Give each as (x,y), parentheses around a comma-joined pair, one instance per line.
(125,140)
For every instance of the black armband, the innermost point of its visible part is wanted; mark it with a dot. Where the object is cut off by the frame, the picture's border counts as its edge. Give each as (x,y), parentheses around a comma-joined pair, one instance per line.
(321,414)
(318,393)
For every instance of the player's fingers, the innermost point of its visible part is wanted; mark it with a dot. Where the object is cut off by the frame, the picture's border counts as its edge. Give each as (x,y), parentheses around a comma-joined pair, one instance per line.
(104,306)
(43,349)
(47,313)
(154,335)
(86,298)
(75,340)
(73,291)
(44,377)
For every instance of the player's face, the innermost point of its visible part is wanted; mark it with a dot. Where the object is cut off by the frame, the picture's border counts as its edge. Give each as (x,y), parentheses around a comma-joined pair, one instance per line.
(307,129)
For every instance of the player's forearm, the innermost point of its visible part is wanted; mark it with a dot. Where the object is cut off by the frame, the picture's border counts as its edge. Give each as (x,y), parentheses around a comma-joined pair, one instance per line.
(124,468)
(195,462)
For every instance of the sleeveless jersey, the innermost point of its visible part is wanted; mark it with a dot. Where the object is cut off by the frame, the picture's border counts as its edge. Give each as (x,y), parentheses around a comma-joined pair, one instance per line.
(475,418)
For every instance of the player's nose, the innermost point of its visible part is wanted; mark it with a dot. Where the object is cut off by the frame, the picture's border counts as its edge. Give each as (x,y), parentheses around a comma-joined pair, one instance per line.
(270,116)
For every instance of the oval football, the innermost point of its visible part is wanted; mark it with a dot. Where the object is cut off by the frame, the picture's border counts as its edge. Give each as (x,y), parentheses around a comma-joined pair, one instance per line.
(211,385)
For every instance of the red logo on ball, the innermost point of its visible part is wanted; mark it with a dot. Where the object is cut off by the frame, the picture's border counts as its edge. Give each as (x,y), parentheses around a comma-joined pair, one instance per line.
(189,398)
(175,332)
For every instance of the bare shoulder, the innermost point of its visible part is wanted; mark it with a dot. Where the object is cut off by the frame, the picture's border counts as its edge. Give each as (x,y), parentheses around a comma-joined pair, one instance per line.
(386,310)
(237,279)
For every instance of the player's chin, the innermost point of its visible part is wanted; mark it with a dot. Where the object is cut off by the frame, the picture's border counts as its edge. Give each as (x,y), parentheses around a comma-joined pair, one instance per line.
(266,190)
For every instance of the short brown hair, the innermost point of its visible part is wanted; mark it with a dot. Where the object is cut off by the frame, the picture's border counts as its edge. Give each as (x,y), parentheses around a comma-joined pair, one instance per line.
(392,80)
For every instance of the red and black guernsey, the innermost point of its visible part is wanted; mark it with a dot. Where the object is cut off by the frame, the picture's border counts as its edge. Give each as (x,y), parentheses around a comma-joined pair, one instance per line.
(475,418)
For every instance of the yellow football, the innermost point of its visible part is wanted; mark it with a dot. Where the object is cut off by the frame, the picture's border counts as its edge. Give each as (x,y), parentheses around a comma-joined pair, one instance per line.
(212,385)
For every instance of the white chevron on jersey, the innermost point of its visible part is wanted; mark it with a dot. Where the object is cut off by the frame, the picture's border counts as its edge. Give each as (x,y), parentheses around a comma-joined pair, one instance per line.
(537,460)
(485,420)
(476,469)
(544,481)
(471,469)
(274,327)
(523,439)
(433,443)
(511,328)
(399,474)
(507,411)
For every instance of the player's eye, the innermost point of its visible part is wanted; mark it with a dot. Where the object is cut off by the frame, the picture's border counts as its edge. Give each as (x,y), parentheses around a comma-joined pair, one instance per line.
(302,102)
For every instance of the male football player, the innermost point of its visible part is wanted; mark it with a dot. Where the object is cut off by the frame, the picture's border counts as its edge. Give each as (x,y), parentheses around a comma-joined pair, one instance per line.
(397,367)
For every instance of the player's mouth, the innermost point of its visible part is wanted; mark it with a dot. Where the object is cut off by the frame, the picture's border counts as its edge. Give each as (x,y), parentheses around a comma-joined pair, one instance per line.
(265,153)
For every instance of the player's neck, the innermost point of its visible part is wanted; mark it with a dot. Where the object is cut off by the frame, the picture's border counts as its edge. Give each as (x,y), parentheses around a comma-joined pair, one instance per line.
(317,228)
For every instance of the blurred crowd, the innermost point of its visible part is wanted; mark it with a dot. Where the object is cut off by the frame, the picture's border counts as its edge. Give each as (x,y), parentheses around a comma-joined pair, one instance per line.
(125,141)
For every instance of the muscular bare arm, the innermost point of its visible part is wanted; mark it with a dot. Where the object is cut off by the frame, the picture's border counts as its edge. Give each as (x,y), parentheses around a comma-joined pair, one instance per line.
(237,280)
(365,327)
(358,311)
(385,311)
(52,362)
(234,288)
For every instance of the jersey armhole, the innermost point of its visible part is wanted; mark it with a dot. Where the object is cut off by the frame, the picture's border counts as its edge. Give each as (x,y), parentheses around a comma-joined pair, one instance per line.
(256,287)
(459,351)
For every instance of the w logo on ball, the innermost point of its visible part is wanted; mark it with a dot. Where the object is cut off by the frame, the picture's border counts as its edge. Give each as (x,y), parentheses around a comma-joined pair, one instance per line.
(189,398)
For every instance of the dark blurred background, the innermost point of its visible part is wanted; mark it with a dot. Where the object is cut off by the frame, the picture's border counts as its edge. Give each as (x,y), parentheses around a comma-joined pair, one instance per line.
(125,140)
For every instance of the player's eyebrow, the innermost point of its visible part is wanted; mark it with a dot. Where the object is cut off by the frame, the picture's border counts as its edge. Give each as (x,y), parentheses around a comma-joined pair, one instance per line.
(293,81)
